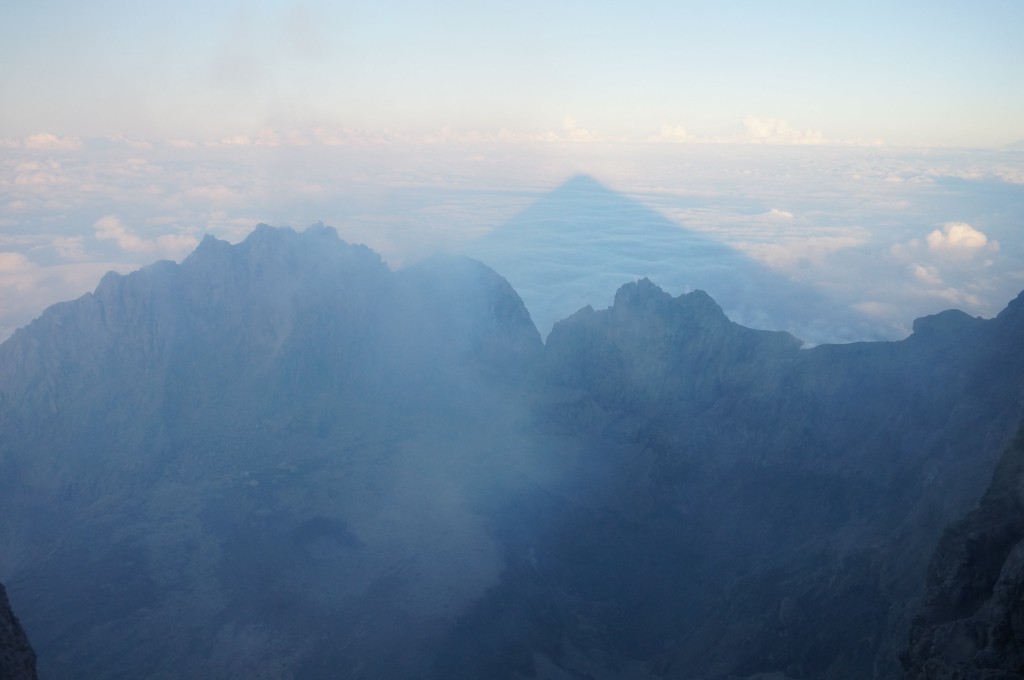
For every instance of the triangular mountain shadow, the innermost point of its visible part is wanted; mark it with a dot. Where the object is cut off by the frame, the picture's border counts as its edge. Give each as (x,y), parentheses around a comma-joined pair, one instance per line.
(576,245)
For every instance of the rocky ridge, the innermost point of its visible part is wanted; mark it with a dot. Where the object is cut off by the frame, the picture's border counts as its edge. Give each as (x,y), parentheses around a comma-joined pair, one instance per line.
(289,460)
(971,622)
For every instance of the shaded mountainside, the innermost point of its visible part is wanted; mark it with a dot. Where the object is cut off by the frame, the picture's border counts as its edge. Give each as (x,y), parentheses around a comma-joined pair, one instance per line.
(256,463)
(281,459)
(763,509)
(17,660)
(971,623)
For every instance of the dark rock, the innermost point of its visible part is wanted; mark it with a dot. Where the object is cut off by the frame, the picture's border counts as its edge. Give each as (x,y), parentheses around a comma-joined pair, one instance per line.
(971,622)
(17,660)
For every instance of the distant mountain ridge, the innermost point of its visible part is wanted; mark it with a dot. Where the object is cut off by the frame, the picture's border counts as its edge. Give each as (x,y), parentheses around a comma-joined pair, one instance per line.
(281,459)
(578,243)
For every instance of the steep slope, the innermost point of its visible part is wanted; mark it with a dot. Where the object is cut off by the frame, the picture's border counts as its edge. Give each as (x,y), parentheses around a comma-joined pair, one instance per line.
(970,625)
(743,508)
(257,462)
(17,660)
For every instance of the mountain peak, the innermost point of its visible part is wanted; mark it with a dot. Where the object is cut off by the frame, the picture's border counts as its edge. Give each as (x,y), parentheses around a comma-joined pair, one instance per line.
(642,293)
(949,321)
(646,295)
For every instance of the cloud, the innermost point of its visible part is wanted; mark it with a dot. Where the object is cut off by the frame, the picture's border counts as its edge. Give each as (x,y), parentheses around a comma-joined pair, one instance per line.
(926,274)
(960,237)
(137,144)
(575,132)
(874,308)
(775,131)
(955,244)
(36,174)
(268,137)
(793,253)
(214,193)
(14,262)
(674,134)
(70,247)
(112,228)
(50,141)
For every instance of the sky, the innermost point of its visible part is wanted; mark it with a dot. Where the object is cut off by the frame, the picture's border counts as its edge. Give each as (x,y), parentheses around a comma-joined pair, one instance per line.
(870,150)
(907,73)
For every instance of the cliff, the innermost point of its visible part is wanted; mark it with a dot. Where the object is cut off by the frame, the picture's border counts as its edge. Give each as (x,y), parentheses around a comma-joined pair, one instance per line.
(17,660)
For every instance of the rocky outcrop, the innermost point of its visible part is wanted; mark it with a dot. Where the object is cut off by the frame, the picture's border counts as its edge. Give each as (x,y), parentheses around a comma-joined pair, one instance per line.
(743,507)
(971,622)
(17,660)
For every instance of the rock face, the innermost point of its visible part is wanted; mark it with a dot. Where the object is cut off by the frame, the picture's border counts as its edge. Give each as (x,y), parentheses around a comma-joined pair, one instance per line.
(971,623)
(744,507)
(17,660)
(280,459)
(259,463)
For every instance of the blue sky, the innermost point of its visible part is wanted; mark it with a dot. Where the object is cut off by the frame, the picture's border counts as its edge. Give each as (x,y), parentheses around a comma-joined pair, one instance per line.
(932,73)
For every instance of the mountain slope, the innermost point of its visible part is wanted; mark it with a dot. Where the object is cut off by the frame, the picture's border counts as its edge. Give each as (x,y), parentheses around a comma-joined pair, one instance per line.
(281,459)
(744,507)
(969,625)
(263,454)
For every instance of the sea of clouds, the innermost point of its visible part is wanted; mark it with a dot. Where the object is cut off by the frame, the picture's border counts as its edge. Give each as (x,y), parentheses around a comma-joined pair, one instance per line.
(883,235)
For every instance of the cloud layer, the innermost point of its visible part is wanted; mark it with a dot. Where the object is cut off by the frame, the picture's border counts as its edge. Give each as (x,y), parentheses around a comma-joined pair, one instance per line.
(830,217)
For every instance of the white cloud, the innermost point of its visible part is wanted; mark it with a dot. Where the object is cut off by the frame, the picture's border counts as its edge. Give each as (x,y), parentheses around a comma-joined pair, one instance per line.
(777,214)
(14,262)
(296,138)
(215,193)
(36,174)
(797,252)
(874,308)
(575,132)
(50,141)
(955,244)
(960,236)
(137,144)
(70,247)
(926,274)
(111,227)
(268,137)
(673,134)
(775,131)
(331,137)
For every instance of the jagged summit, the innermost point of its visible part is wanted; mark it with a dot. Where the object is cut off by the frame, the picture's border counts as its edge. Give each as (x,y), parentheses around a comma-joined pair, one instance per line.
(644,294)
